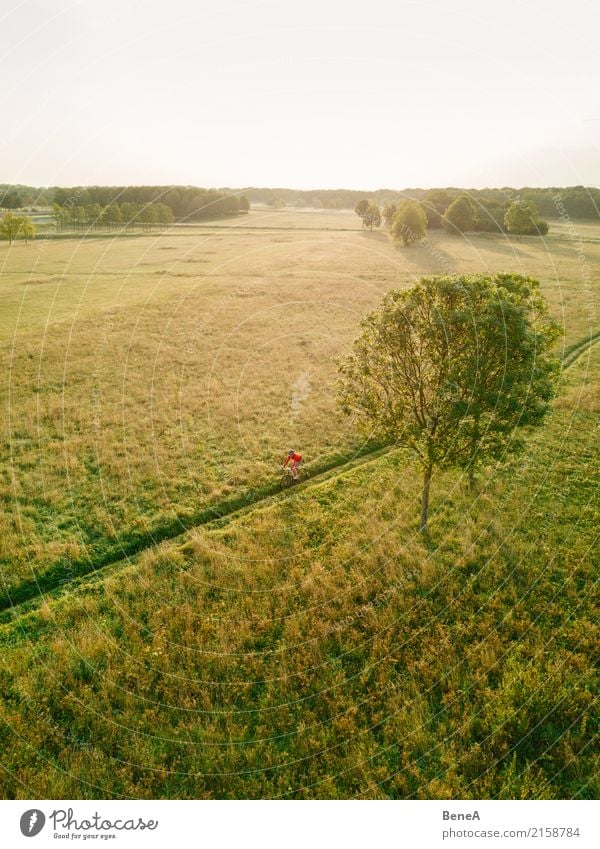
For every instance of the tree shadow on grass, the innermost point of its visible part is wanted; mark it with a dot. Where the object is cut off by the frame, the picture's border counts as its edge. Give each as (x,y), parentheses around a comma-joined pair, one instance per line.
(377,235)
(507,246)
(427,257)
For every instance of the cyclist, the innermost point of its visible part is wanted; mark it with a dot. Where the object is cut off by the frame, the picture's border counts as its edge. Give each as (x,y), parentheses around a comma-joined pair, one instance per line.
(294,459)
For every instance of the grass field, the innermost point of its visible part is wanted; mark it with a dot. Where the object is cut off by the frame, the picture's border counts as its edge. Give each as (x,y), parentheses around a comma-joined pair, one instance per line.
(311,646)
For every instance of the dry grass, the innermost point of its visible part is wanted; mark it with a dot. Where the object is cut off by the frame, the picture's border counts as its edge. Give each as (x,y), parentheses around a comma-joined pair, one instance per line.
(146,378)
(316,648)
(313,647)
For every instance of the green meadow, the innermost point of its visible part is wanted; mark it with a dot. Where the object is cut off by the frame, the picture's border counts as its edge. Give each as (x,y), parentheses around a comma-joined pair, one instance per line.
(172,625)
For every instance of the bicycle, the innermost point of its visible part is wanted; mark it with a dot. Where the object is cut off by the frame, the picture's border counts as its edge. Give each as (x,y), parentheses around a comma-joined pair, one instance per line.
(288,478)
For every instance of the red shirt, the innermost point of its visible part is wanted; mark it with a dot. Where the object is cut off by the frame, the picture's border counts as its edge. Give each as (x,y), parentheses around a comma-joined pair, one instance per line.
(293,458)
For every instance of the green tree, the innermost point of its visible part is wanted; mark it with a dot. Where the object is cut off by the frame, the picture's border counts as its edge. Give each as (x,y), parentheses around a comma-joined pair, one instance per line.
(372,216)
(17,227)
(361,208)
(94,216)
(11,200)
(491,218)
(244,203)
(164,214)
(436,202)
(79,216)
(389,212)
(410,223)
(58,216)
(451,368)
(148,216)
(111,215)
(9,226)
(461,215)
(27,229)
(522,219)
(129,214)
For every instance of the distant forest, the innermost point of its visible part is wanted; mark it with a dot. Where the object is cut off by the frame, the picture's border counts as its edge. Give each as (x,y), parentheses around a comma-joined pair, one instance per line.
(189,203)
(579,201)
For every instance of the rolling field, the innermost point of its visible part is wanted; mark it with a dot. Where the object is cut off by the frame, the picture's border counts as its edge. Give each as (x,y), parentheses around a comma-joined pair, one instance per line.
(309,644)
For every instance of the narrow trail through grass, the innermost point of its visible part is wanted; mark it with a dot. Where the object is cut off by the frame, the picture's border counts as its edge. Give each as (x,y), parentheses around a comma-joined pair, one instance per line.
(53,584)
(574,351)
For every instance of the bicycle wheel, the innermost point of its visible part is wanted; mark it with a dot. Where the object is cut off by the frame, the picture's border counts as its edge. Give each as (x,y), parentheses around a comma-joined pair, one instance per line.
(301,475)
(286,480)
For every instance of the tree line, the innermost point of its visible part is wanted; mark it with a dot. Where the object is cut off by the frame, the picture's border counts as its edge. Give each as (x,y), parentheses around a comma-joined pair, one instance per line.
(186,203)
(193,203)
(579,201)
(126,216)
(409,220)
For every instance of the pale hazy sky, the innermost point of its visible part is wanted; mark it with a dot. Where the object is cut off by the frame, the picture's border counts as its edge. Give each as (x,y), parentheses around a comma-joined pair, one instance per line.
(313,93)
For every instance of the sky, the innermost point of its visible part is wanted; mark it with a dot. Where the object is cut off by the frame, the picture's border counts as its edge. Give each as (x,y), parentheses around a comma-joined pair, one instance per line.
(305,94)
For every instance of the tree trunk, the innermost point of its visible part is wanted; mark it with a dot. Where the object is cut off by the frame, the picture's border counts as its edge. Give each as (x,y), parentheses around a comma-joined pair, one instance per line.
(425,499)
(471,478)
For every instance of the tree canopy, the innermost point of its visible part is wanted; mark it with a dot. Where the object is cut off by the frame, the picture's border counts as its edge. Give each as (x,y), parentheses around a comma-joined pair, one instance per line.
(435,203)
(410,223)
(361,207)
(186,203)
(461,215)
(11,200)
(114,215)
(452,369)
(190,201)
(372,216)
(522,219)
(16,227)
(389,212)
